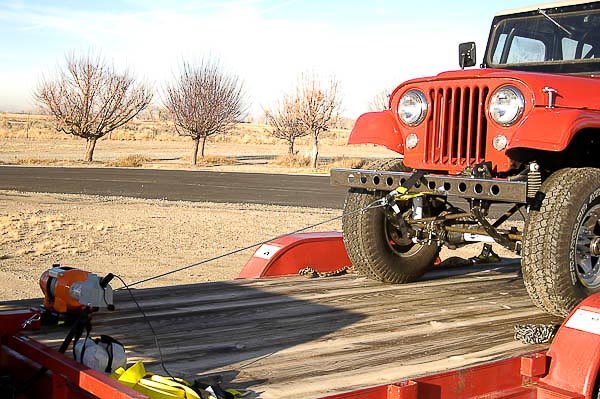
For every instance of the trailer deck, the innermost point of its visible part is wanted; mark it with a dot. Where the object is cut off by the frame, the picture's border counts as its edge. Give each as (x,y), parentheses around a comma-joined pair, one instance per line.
(321,336)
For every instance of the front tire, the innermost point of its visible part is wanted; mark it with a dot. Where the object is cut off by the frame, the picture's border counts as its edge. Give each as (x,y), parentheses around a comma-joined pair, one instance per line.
(371,242)
(561,243)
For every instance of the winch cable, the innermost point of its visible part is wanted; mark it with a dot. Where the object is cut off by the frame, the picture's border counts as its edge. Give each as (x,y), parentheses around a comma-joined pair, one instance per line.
(147,320)
(375,204)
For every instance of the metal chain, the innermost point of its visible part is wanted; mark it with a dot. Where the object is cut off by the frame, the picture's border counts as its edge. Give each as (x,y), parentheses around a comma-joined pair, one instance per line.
(532,334)
(311,273)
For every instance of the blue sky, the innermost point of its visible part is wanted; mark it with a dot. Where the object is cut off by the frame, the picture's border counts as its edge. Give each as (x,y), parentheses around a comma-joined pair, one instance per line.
(369,46)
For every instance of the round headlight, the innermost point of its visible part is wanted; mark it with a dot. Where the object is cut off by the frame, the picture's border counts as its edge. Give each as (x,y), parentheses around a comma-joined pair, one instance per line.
(411,141)
(507,105)
(412,107)
(500,142)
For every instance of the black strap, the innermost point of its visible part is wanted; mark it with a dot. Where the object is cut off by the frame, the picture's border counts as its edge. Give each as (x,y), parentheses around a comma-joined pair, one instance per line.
(105,339)
(109,341)
(83,348)
(83,322)
(408,184)
(413,179)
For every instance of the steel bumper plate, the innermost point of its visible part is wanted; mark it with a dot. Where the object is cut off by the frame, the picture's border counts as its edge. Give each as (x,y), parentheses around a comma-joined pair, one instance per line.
(459,186)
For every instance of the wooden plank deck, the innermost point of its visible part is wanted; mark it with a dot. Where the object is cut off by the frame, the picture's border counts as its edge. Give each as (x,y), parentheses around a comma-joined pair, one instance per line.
(315,337)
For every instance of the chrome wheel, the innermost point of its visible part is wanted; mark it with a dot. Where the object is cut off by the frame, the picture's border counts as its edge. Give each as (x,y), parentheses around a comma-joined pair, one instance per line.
(587,251)
(399,244)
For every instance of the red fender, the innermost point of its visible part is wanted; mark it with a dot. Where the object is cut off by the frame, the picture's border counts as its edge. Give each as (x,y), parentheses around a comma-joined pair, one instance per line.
(555,128)
(378,128)
(284,256)
(575,350)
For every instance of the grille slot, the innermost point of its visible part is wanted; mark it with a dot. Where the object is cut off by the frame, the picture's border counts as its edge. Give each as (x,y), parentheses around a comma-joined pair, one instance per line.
(457,125)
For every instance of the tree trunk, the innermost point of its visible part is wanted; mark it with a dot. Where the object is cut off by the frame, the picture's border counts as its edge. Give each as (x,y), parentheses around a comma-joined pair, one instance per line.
(203,145)
(315,151)
(291,147)
(89,149)
(195,151)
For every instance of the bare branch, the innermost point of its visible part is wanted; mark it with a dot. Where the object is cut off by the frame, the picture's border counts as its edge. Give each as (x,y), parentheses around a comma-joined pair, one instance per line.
(89,99)
(285,119)
(204,101)
(318,106)
(381,101)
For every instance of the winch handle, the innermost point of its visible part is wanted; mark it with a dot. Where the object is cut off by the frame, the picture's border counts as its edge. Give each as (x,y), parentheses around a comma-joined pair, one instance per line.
(104,283)
(106,280)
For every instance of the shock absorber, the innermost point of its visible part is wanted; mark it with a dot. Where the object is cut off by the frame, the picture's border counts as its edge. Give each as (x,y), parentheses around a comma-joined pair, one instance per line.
(534,179)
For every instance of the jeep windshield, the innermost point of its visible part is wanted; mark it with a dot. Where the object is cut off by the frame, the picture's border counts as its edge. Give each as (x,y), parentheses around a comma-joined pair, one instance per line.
(547,42)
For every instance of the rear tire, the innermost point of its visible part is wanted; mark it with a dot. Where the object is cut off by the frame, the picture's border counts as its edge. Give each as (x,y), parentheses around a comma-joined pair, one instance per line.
(561,243)
(367,237)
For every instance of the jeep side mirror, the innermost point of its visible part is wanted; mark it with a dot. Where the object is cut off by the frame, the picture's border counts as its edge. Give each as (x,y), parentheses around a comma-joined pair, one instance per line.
(466,54)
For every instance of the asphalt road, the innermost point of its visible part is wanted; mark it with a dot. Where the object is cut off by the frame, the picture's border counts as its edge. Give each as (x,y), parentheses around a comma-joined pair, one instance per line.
(184,185)
(256,188)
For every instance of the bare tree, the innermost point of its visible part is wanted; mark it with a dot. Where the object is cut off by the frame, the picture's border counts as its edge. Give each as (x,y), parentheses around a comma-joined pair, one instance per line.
(203,101)
(285,120)
(90,99)
(380,102)
(318,107)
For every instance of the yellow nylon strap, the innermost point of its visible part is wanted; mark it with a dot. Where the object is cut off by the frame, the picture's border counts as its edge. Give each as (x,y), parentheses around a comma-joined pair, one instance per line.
(409,196)
(154,386)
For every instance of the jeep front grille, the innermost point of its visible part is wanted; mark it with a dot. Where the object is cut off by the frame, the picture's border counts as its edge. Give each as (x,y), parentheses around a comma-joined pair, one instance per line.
(456,128)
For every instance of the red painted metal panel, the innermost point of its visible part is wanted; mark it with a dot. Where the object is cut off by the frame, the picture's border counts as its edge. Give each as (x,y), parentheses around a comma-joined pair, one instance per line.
(575,350)
(453,122)
(67,372)
(498,380)
(455,132)
(14,321)
(535,365)
(378,128)
(323,251)
(565,125)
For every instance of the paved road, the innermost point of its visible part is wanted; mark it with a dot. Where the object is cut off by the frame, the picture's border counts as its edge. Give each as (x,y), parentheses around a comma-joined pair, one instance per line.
(253,188)
(257,188)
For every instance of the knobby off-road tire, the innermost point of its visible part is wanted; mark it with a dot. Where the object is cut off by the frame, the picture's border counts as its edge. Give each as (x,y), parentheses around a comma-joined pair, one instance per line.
(368,245)
(558,268)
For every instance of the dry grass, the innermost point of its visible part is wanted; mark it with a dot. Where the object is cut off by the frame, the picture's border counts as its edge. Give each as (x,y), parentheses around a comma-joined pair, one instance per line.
(298,161)
(352,163)
(292,161)
(131,161)
(213,160)
(42,127)
(49,162)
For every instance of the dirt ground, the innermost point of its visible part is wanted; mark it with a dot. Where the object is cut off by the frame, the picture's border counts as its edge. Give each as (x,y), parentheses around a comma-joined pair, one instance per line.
(133,238)
(137,239)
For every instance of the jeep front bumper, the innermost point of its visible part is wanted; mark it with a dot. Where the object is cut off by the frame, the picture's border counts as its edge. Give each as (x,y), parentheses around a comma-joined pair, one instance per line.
(498,190)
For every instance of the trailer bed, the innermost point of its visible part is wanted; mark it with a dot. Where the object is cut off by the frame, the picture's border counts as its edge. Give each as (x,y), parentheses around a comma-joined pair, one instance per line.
(320,336)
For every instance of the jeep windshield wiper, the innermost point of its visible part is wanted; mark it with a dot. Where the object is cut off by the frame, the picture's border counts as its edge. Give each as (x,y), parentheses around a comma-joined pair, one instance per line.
(555,22)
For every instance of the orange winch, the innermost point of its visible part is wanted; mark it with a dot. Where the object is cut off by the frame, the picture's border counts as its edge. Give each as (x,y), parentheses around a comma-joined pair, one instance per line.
(70,290)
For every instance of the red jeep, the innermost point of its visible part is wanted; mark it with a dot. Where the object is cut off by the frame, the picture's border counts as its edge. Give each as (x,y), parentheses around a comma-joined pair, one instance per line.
(522,130)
